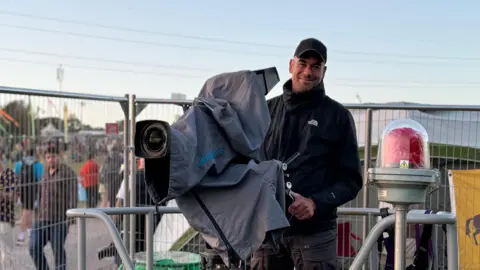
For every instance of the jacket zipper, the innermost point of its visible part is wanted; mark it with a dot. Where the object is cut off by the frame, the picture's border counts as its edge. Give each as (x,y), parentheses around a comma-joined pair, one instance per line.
(288,184)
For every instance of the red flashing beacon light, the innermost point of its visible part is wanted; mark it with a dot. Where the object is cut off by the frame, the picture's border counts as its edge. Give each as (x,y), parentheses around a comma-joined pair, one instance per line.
(404,144)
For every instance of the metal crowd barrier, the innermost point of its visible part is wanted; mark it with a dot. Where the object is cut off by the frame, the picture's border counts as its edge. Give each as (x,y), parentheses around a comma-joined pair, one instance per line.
(453,133)
(413,217)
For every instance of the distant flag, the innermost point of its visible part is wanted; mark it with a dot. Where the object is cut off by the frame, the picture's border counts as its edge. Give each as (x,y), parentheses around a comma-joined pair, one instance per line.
(9,118)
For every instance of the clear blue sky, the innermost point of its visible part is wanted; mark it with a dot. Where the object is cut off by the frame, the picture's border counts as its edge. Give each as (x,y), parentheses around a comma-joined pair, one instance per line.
(417,51)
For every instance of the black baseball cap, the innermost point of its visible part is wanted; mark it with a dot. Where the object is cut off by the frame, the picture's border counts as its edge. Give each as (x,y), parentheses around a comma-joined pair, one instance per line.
(311,45)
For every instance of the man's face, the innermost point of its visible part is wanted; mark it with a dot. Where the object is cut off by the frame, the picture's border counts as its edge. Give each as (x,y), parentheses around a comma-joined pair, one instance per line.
(52,160)
(307,72)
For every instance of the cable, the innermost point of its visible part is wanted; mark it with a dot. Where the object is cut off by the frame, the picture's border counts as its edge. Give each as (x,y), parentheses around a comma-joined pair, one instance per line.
(135,41)
(208,39)
(101,69)
(216,39)
(141,30)
(400,86)
(381,62)
(380,82)
(348,82)
(102,60)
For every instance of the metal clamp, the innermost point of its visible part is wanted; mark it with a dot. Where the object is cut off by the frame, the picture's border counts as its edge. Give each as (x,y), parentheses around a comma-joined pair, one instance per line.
(289,160)
(288,190)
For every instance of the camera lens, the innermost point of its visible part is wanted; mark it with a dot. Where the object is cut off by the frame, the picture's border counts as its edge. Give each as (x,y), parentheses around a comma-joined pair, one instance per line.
(154,142)
(156,139)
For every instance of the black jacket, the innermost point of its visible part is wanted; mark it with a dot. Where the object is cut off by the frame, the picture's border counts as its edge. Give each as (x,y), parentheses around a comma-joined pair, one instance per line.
(328,168)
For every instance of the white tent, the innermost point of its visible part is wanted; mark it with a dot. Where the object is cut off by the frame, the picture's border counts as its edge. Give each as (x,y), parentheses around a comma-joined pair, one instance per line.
(50,131)
(170,229)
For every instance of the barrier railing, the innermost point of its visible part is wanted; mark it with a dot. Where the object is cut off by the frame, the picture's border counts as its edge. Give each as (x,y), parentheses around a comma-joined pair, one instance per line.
(452,128)
(30,121)
(413,217)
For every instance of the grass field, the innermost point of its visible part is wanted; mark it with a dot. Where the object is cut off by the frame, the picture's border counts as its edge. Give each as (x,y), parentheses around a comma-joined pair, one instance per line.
(183,239)
(440,151)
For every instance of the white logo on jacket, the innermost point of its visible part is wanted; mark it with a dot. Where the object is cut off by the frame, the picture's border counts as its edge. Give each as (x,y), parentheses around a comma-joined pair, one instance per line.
(313,122)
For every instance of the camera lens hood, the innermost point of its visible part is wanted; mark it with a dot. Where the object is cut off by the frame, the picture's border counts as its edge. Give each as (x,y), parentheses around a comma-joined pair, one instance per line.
(154,137)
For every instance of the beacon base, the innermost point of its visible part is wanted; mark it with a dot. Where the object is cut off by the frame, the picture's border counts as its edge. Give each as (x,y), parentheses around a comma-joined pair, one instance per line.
(403,186)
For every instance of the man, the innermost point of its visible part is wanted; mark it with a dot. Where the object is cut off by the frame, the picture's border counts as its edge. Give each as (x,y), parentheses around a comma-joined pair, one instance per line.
(315,136)
(29,172)
(90,174)
(58,193)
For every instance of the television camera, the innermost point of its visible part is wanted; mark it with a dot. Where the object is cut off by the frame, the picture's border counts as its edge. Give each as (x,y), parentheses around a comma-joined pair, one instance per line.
(211,154)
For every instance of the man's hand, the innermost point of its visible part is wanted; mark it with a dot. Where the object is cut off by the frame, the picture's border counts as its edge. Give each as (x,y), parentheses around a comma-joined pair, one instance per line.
(302,208)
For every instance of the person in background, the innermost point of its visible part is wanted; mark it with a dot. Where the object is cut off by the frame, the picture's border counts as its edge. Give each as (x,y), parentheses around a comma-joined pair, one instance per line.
(90,174)
(102,190)
(29,172)
(7,216)
(58,193)
(111,177)
(143,199)
(3,157)
(316,136)
(19,153)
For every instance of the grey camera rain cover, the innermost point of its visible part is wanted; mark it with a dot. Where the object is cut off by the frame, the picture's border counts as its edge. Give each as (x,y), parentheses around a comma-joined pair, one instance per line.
(226,123)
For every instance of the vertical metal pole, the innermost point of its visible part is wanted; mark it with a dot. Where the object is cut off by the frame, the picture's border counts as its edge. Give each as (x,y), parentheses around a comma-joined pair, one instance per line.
(435,246)
(370,242)
(373,256)
(133,173)
(452,246)
(82,243)
(400,236)
(367,157)
(149,240)
(126,173)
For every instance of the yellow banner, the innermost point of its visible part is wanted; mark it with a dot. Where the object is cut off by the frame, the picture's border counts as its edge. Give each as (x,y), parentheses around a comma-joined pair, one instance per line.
(65,122)
(465,188)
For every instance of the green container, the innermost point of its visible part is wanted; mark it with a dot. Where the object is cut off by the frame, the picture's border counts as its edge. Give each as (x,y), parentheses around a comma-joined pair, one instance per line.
(168,260)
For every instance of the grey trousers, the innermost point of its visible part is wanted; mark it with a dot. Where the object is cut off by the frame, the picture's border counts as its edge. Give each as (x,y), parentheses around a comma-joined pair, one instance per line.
(307,252)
